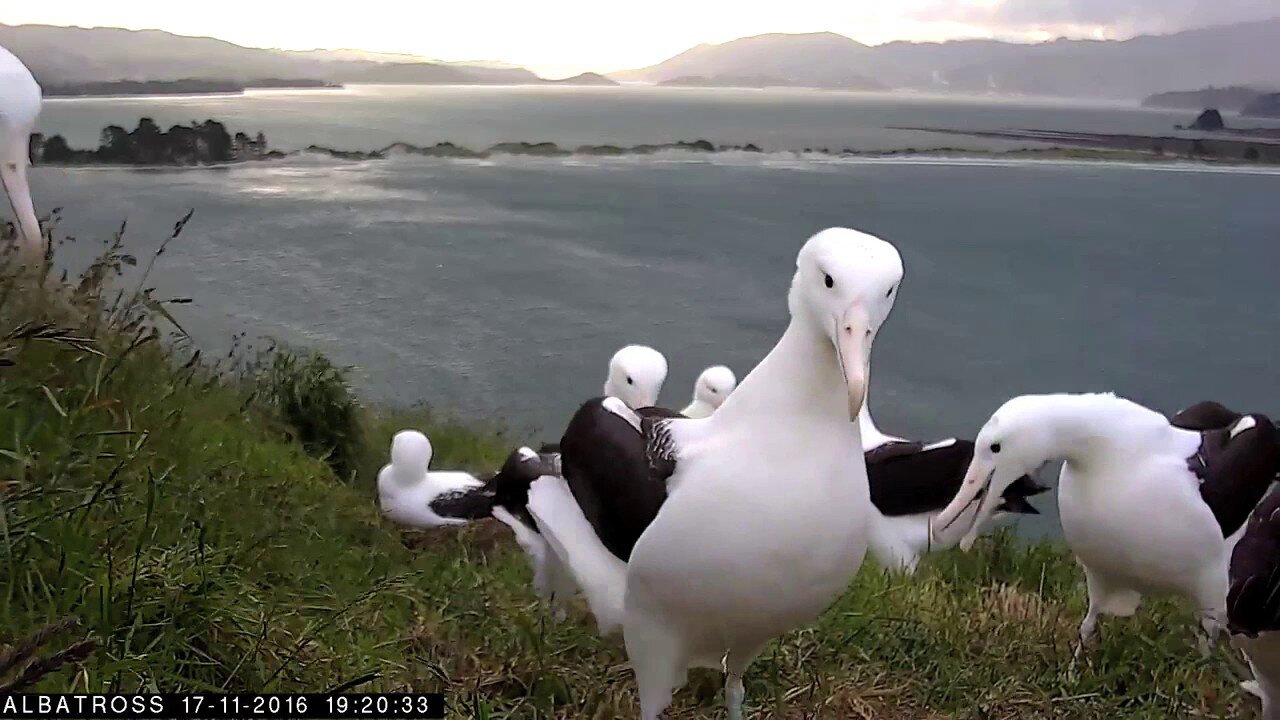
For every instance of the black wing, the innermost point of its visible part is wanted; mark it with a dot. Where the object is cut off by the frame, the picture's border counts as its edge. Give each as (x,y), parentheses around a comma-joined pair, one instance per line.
(508,488)
(1253,601)
(892,449)
(1206,415)
(906,482)
(1236,472)
(510,485)
(471,504)
(1014,498)
(908,479)
(607,465)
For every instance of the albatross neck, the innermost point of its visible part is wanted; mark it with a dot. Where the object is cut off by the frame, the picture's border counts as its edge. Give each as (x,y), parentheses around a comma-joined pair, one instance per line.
(800,377)
(1090,429)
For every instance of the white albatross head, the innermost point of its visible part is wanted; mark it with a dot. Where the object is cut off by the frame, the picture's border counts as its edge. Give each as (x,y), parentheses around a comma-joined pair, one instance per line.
(20,99)
(410,456)
(711,388)
(845,284)
(1018,440)
(636,375)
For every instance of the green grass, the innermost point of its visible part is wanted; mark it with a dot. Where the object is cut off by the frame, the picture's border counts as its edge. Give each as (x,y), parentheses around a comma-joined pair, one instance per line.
(174,508)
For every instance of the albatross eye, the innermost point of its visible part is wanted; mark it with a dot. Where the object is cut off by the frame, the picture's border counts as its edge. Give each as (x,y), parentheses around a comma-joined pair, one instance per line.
(890,293)
(630,381)
(995,448)
(829,282)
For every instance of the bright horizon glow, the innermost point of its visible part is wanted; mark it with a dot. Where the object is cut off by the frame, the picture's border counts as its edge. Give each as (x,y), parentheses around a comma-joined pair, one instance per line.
(559,38)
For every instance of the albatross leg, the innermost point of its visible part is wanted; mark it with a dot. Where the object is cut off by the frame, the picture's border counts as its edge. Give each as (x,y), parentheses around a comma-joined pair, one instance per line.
(563,586)
(734,695)
(1211,596)
(735,666)
(1088,634)
(659,662)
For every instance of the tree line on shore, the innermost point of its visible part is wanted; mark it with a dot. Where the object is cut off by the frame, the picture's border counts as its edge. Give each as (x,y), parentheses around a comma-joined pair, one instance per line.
(200,143)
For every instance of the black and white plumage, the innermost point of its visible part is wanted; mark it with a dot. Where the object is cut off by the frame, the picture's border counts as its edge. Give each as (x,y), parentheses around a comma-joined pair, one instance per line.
(1232,461)
(1253,597)
(1205,415)
(909,478)
(605,458)
(1146,506)
(408,490)
(1253,603)
(412,495)
(911,482)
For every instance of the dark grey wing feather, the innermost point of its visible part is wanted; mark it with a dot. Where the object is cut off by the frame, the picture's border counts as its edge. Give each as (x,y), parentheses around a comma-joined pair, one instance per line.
(1236,472)
(660,447)
(1206,415)
(1253,600)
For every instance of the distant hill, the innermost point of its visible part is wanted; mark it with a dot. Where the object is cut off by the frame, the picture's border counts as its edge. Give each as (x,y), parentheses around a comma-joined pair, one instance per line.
(352,54)
(427,73)
(63,56)
(1267,106)
(729,81)
(1239,54)
(1222,98)
(588,78)
(813,59)
(764,81)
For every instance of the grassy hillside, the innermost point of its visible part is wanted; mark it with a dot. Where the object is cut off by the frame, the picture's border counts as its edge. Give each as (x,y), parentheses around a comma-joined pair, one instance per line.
(212,526)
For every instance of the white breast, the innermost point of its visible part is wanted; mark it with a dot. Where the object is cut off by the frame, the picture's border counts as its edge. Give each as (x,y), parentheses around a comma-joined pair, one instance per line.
(1143,524)
(785,530)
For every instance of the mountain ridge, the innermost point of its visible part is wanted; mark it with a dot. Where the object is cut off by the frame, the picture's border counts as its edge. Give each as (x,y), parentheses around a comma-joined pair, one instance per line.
(1239,54)
(112,54)
(1231,54)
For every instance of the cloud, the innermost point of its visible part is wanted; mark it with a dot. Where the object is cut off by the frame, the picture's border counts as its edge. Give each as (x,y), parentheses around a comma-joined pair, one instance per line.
(1111,18)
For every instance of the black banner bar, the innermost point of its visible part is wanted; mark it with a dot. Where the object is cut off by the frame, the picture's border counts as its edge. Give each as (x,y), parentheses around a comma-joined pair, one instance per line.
(217,706)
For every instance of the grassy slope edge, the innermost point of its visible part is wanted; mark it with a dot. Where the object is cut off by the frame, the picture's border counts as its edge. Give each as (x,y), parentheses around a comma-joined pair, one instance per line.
(165,503)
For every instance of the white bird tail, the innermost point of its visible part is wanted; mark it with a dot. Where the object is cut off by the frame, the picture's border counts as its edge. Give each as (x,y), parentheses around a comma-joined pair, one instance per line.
(600,574)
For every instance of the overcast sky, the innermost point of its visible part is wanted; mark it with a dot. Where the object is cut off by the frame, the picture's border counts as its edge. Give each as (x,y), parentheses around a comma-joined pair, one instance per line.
(563,37)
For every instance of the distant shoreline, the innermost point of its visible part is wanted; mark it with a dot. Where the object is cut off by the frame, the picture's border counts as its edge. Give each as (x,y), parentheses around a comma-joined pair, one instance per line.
(449,151)
(1263,149)
(172,88)
(209,143)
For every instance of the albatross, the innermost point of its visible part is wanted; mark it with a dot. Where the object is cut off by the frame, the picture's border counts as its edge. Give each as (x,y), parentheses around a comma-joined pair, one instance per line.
(763,505)
(1146,506)
(20,99)
(412,495)
(636,375)
(710,390)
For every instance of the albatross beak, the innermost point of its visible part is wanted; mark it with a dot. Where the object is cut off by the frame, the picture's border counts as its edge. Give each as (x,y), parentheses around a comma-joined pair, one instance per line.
(14,178)
(852,331)
(966,508)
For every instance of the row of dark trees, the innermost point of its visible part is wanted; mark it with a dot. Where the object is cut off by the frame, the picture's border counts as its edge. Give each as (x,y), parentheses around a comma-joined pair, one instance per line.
(200,143)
